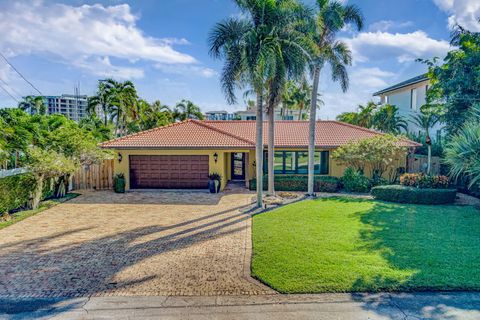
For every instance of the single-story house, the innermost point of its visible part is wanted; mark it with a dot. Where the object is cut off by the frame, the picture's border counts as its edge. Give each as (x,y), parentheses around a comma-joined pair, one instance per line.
(181,155)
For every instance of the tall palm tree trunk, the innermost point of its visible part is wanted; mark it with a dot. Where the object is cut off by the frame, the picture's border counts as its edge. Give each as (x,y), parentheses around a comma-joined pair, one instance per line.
(429,160)
(300,113)
(271,150)
(259,149)
(105,115)
(311,135)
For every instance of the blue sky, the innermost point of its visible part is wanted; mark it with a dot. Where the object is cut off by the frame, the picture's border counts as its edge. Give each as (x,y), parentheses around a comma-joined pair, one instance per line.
(162,47)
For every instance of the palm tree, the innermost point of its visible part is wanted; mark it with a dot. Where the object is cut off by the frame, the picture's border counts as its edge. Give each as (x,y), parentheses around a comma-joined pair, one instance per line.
(151,116)
(331,17)
(348,117)
(245,45)
(124,105)
(387,119)
(33,104)
(426,120)
(461,152)
(363,117)
(186,109)
(289,54)
(298,96)
(103,98)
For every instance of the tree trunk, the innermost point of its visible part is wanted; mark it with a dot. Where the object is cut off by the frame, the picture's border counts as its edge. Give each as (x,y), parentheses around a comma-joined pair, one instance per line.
(311,136)
(271,150)
(300,111)
(105,115)
(429,160)
(37,192)
(259,149)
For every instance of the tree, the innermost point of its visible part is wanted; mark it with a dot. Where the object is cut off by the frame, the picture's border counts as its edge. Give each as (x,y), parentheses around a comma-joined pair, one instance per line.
(377,153)
(331,17)
(297,96)
(97,128)
(186,109)
(363,117)
(103,99)
(244,43)
(387,119)
(287,58)
(19,132)
(45,164)
(462,151)
(456,83)
(426,120)
(124,105)
(151,116)
(33,104)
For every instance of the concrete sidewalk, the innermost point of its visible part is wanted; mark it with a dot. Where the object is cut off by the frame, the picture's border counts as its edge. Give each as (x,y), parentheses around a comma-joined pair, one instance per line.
(324,306)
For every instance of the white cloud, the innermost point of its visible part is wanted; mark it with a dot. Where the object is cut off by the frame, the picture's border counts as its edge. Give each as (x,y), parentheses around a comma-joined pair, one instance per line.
(186,70)
(87,36)
(463,12)
(385,25)
(370,77)
(102,67)
(368,46)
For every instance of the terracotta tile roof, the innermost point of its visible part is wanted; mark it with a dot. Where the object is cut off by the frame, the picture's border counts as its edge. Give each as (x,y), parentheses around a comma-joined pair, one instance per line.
(235,134)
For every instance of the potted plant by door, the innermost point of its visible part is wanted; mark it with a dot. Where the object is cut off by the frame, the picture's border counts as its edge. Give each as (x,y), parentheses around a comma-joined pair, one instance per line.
(119,183)
(214,182)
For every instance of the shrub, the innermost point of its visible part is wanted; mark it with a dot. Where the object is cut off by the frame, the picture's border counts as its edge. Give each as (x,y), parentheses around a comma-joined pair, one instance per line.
(15,191)
(403,194)
(422,181)
(299,183)
(119,183)
(354,181)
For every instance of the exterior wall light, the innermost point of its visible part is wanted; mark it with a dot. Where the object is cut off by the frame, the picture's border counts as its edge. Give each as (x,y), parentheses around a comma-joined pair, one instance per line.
(120,157)
(215,157)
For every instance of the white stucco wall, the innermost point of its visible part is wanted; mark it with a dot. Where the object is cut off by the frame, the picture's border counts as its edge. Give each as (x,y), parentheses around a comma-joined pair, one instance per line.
(402,99)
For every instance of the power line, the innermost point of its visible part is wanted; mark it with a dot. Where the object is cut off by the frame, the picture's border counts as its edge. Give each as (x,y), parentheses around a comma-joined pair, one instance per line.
(9,93)
(21,75)
(10,87)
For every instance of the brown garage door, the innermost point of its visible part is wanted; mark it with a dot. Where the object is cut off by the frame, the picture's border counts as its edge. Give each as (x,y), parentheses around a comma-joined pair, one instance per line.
(168,172)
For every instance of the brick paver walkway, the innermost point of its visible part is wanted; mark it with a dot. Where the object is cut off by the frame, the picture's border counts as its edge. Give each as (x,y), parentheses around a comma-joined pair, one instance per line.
(103,243)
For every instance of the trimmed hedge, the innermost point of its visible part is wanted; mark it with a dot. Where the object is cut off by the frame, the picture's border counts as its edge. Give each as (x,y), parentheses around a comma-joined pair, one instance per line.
(403,194)
(300,183)
(15,191)
(424,181)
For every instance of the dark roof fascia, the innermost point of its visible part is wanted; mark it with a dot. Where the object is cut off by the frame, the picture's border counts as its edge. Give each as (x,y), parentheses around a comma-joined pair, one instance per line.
(403,84)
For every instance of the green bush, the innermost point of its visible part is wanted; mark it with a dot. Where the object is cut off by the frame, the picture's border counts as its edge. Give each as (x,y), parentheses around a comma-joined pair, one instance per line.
(119,183)
(423,181)
(299,183)
(15,191)
(403,194)
(354,181)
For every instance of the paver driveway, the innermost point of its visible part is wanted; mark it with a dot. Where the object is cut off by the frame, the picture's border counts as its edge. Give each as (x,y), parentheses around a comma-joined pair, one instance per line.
(139,243)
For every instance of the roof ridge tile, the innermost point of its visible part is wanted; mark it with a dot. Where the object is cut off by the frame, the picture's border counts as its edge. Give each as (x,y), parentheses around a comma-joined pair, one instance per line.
(203,123)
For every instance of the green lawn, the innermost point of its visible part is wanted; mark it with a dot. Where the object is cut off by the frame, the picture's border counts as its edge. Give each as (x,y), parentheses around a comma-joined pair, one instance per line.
(344,245)
(44,205)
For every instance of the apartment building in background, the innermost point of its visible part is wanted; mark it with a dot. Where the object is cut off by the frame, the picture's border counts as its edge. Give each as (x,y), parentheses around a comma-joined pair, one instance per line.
(72,106)
(409,96)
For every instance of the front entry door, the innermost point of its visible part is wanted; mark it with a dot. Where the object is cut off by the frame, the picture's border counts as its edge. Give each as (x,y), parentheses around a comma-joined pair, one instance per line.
(238,166)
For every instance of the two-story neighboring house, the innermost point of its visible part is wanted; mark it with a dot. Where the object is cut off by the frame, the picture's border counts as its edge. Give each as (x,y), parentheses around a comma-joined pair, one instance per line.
(409,96)
(251,114)
(219,115)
